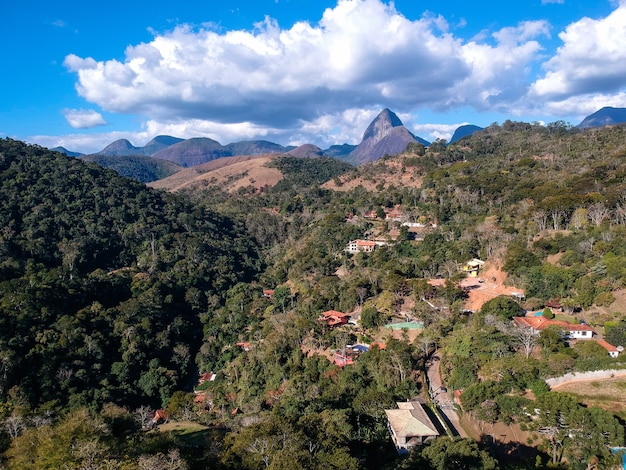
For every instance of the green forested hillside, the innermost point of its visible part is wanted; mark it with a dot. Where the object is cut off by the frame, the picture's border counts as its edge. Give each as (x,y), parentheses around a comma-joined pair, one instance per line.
(114,295)
(139,167)
(102,282)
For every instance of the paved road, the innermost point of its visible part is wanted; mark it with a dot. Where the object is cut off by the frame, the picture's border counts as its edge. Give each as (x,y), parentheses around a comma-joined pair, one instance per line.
(443,399)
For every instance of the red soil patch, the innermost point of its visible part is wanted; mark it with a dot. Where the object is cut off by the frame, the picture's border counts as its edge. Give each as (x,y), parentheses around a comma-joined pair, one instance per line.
(493,286)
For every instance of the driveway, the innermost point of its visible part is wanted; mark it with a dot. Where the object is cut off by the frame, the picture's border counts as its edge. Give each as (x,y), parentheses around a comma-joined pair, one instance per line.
(441,397)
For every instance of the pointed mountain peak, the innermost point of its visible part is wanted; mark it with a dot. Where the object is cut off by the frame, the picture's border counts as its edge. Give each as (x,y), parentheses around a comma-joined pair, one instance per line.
(382,125)
(386,135)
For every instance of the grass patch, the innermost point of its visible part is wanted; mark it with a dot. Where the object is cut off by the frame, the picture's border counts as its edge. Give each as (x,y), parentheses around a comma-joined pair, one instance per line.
(609,394)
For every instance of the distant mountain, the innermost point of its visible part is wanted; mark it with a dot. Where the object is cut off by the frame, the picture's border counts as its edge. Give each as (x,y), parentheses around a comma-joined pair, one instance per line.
(159,143)
(192,152)
(120,147)
(254,147)
(124,147)
(306,151)
(339,151)
(604,117)
(66,152)
(139,167)
(464,131)
(386,135)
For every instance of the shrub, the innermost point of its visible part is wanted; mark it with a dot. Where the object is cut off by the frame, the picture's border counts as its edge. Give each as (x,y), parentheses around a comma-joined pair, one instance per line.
(604,299)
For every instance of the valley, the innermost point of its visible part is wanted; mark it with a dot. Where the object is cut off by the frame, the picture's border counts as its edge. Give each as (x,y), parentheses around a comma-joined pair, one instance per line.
(252,300)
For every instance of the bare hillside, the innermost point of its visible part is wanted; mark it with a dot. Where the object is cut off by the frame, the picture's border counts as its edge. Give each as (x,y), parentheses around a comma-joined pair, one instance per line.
(229,173)
(389,172)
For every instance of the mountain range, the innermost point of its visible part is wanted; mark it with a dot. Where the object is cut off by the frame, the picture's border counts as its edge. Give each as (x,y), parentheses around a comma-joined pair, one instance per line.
(385,135)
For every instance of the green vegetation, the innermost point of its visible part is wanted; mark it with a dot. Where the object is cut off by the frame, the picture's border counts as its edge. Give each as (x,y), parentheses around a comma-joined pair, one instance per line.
(141,168)
(114,298)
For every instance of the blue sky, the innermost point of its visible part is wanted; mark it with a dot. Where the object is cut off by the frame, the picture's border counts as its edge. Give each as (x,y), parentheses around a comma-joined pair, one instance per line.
(82,75)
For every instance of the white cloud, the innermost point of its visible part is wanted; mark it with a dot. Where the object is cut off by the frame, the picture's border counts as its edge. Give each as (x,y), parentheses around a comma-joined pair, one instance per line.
(361,55)
(499,71)
(83,118)
(432,132)
(545,2)
(323,82)
(591,63)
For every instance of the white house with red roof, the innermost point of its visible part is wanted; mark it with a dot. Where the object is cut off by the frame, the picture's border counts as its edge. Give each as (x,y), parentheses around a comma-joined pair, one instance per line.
(612,350)
(361,246)
(539,323)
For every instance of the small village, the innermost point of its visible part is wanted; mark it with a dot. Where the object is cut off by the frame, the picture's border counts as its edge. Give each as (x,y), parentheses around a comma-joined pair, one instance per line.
(421,419)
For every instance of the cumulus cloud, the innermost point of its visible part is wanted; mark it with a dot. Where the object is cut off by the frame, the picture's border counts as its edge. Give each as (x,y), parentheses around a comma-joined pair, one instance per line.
(361,56)
(499,67)
(83,118)
(591,63)
(433,132)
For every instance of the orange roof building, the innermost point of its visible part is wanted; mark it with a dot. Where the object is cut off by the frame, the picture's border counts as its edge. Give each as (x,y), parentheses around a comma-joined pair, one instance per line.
(539,323)
(361,246)
(334,318)
(612,350)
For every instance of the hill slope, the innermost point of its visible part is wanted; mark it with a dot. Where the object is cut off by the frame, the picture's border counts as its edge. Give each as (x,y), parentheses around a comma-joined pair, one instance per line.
(139,167)
(103,277)
(228,173)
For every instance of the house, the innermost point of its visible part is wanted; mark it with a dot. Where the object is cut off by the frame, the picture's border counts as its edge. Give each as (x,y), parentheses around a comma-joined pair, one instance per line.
(334,318)
(612,350)
(539,323)
(245,345)
(554,304)
(410,426)
(360,246)
(206,377)
(203,401)
(473,266)
(343,358)
(269,293)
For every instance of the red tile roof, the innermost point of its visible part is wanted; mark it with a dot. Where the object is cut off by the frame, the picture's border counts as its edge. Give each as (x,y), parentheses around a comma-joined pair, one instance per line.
(334,318)
(606,345)
(334,313)
(540,323)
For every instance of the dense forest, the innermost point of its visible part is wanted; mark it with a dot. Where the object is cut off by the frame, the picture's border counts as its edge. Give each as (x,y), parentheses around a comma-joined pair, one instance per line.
(115,298)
